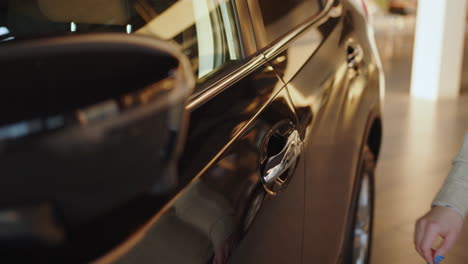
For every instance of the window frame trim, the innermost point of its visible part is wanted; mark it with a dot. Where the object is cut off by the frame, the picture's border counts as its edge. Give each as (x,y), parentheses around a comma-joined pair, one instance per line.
(254,57)
(271,49)
(224,82)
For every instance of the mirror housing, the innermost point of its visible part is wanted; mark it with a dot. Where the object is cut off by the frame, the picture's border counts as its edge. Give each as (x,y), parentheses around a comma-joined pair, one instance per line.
(89,124)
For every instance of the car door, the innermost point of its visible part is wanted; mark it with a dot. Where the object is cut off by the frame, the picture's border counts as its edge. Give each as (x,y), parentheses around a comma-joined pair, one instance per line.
(238,196)
(241,193)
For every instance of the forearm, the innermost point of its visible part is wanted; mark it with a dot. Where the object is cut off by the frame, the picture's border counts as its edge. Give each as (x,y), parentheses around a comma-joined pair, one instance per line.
(454,192)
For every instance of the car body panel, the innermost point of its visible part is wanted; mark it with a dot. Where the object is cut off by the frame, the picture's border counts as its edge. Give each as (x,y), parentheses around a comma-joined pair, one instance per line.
(320,79)
(205,222)
(334,139)
(333,102)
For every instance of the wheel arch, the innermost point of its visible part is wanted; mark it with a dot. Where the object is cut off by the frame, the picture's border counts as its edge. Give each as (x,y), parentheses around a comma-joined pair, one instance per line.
(372,138)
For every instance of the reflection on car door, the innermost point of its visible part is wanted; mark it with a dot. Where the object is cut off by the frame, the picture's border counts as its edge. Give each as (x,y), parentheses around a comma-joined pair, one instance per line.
(326,91)
(232,128)
(213,218)
(311,59)
(239,198)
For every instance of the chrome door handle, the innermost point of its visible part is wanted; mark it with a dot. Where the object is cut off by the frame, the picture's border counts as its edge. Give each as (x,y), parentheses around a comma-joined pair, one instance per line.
(354,55)
(278,164)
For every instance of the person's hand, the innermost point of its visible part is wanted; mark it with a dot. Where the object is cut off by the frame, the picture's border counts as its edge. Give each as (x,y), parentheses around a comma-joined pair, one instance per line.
(441,222)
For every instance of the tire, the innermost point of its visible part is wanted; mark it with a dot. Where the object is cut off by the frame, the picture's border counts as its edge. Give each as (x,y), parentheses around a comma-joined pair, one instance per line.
(363,211)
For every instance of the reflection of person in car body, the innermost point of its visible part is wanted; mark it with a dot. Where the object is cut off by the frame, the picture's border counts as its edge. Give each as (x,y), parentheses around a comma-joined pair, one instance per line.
(446,217)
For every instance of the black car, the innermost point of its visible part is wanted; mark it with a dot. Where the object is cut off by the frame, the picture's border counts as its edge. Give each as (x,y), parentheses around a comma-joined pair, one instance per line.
(193,131)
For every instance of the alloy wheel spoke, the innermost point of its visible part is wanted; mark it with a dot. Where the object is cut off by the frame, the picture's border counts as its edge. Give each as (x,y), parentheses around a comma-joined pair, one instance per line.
(362,222)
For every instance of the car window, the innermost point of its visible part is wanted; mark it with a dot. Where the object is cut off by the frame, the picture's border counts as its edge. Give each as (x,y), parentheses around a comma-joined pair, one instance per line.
(205,29)
(280,16)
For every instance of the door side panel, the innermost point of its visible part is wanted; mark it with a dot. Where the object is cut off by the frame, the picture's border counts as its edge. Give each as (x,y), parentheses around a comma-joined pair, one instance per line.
(331,104)
(276,234)
(220,181)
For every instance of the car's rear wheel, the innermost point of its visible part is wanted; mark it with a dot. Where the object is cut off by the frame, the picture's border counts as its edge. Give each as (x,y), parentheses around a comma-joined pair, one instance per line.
(364,208)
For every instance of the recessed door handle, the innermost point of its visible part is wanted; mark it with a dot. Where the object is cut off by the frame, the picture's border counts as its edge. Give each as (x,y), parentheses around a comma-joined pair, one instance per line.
(277,165)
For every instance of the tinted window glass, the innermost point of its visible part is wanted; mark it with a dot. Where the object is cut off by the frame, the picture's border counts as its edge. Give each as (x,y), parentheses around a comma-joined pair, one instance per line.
(281,16)
(206,29)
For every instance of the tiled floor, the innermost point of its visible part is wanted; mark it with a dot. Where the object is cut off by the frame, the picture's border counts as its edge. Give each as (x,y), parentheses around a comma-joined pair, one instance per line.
(420,140)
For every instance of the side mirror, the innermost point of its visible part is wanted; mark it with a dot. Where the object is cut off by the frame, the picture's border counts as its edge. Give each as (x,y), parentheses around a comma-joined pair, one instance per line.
(88,124)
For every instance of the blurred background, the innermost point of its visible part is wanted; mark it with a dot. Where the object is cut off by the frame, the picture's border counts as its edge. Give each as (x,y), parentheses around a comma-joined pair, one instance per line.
(421,137)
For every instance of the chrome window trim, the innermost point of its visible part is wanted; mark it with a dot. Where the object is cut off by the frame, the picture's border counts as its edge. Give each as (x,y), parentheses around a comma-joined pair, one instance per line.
(248,49)
(278,46)
(210,91)
(220,85)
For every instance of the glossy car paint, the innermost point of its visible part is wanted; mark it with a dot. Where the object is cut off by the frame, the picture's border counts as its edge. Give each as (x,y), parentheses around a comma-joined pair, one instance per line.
(341,100)
(220,211)
(334,105)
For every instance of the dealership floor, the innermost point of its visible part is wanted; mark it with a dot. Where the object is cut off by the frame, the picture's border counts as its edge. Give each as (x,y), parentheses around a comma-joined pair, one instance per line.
(420,140)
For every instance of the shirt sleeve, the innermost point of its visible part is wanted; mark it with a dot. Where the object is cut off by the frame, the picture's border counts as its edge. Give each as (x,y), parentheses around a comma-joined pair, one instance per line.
(454,192)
